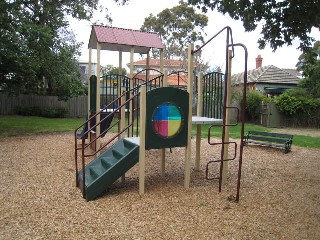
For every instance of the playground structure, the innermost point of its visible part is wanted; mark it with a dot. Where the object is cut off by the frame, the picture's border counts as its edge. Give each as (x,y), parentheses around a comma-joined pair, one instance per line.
(129,98)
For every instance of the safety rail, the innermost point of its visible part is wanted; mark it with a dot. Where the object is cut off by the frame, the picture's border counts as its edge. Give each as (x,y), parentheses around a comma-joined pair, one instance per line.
(110,85)
(212,95)
(154,82)
(181,77)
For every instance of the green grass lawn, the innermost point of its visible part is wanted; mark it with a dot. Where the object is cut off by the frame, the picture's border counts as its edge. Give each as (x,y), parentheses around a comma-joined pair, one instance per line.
(235,132)
(21,125)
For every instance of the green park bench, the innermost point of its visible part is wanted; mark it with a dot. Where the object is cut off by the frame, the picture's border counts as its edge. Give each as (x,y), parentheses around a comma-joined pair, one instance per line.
(270,139)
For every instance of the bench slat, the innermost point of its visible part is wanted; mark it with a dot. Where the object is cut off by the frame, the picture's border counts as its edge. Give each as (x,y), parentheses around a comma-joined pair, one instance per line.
(271,134)
(268,139)
(267,144)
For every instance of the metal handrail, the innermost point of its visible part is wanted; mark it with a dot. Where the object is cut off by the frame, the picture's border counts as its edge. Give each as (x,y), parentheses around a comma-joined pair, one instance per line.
(84,146)
(229,34)
(178,74)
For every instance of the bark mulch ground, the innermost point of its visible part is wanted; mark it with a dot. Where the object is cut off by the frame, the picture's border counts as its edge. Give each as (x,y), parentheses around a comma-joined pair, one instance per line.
(280,196)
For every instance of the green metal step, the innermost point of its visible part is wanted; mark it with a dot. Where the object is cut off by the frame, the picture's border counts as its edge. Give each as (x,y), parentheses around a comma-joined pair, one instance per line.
(108,167)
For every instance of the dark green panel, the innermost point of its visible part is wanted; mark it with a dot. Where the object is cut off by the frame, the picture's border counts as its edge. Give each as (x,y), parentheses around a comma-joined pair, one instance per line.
(176,102)
(93,93)
(108,167)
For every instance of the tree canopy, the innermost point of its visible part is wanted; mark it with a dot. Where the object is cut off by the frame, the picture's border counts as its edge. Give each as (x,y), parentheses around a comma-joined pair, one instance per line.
(177,27)
(110,70)
(37,52)
(309,64)
(282,21)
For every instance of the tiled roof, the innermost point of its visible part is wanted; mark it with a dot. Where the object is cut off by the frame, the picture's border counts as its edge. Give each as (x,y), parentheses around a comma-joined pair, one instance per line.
(266,74)
(120,39)
(293,72)
(172,80)
(156,62)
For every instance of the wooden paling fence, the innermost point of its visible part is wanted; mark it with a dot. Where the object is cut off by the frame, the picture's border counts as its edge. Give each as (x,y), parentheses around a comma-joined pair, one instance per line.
(76,106)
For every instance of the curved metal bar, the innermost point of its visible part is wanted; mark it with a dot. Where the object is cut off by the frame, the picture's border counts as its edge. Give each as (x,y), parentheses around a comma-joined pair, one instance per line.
(147,69)
(178,74)
(229,31)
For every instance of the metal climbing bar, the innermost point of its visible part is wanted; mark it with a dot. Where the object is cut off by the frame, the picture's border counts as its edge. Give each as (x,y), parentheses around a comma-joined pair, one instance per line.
(219,109)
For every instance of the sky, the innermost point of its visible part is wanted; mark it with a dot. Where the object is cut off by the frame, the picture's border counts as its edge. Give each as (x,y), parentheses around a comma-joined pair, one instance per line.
(132,16)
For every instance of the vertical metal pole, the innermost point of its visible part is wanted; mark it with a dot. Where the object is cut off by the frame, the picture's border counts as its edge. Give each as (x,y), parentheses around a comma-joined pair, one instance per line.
(242,121)
(83,171)
(76,159)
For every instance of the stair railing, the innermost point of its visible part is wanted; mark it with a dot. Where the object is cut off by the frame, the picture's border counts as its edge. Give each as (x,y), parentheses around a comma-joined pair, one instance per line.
(158,82)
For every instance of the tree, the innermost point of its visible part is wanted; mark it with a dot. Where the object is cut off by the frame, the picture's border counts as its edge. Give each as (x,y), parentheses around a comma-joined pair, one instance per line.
(282,21)
(309,64)
(177,27)
(110,69)
(37,52)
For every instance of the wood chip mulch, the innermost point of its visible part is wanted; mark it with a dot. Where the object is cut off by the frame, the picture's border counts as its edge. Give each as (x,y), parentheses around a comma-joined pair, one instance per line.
(279,199)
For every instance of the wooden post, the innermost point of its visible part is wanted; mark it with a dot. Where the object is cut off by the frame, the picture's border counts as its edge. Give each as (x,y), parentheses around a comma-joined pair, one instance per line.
(163,150)
(147,67)
(226,136)
(131,87)
(190,91)
(161,61)
(89,75)
(120,73)
(199,114)
(122,114)
(142,150)
(98,141)
(122,123)
(119,92)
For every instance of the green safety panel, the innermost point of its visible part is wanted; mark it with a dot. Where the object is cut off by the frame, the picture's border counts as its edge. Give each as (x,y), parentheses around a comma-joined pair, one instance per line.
(93,93)
(167,118)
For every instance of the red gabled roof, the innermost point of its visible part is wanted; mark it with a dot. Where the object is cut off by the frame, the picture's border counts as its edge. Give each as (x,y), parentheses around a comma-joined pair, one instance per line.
(171,80)
(121,39)
(156,62)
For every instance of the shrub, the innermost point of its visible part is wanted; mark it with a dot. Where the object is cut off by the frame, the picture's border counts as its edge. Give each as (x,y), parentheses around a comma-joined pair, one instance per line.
(288,105)
(52,112)
(301,108)
(253,105)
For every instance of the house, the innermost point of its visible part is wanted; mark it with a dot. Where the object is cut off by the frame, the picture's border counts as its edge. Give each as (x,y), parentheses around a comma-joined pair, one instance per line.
(177,74)
(269,80)
(84,68)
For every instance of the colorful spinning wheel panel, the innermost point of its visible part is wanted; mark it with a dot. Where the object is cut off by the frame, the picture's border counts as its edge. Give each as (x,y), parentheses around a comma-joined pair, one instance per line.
(167,120)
